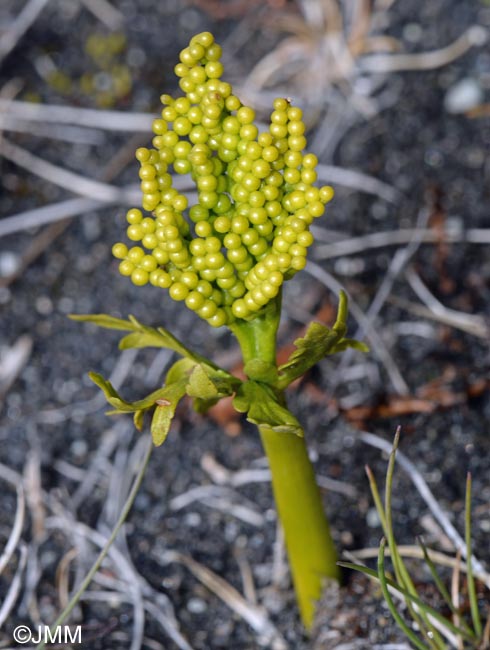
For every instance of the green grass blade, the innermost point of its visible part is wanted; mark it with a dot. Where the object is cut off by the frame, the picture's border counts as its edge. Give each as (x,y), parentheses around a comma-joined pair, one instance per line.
(475,614)
(391,605)
(428,610)
(373,486)
(103,553)
(401,572)
(442,589)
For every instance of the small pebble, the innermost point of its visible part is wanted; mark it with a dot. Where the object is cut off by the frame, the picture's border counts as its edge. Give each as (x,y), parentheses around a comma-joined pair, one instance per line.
(79,448)
(192,519)
(9,263)
(372,518)
(413,32)
(44,305)
(349,266)
(196,606)
(463,96)
(66,305)
(433,157)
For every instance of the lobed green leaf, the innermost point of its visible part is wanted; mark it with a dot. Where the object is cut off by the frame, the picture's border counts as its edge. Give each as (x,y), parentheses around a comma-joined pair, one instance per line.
(318,342)
(104,320)
(263,409)
(142,336)
(259,370)
(121,405)
(165,410)
(200,384)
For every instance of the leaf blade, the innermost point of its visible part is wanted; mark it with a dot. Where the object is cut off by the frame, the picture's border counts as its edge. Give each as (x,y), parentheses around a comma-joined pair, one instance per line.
(318,342)
(263,409)
(104,320)
(165,410)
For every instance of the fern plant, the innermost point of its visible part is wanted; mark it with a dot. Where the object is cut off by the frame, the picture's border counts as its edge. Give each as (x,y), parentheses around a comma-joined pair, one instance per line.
(227,258)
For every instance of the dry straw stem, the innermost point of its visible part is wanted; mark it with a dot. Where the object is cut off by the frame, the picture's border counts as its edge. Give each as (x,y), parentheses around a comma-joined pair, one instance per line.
(105,12)
(246,572)
(53,214)
(455,590)
(353,179)
(65,133)
(48,214)
(320,52)
(15,585)
(13,360)
(470,323)
(15,480)
(140,594)
(121,370)
(397,264)
(222,499)
(375,341)
(324,50)
(410,551)
(20,25)
(64,178)
(357,245)
(87,117)
(119,594)
(221,475)
(107,548)
(475,36)
(254,615)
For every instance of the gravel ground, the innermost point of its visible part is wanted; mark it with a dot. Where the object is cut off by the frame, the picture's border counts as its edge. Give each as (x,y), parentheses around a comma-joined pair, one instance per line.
(424,135)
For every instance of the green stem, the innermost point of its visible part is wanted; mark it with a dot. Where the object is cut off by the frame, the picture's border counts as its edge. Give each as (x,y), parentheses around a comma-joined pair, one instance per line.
(311,551)
(257,337)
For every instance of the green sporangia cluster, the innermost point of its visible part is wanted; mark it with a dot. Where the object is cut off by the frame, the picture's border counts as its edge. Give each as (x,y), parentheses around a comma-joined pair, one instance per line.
(228,255)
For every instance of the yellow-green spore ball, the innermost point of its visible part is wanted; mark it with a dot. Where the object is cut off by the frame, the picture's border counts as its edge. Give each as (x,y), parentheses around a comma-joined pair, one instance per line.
(219,319)
(120,251)
(126,268)
(326,194)
(140,277)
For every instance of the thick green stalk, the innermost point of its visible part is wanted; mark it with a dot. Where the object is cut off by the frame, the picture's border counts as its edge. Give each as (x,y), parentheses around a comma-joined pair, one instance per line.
(257,337)
(311,551)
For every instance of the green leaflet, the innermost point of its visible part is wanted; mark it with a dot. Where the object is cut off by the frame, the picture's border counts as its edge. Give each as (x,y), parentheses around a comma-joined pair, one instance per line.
(145,336)
(164,399)
(121,405)
(142,336)
(138,418)
(318,342)
(200,385)
(103,320)
(260,370)
(260,403)
(204,382)
(202,406)
(206,386)
(200,381)
(179,370)
(165,410)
